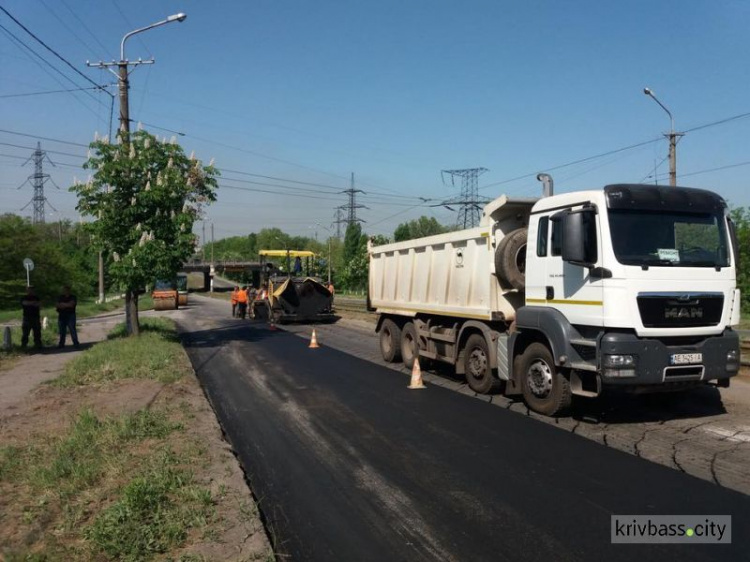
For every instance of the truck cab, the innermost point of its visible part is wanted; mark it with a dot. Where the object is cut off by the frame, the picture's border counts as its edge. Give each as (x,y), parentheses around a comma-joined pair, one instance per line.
(632,286)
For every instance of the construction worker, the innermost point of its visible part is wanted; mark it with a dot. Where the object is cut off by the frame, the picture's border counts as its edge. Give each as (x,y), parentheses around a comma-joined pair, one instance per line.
(242,298)
(66,317)
(233,298)
(31,305)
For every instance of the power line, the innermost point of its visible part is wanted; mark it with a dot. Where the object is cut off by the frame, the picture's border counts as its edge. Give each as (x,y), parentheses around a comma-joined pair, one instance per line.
(50,49)
(43,138)
(46,151)
(574,162)
(22,45)
(66,26)
(26,94)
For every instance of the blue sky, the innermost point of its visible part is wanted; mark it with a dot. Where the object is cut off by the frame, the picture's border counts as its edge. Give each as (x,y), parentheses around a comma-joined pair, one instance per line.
(393,91)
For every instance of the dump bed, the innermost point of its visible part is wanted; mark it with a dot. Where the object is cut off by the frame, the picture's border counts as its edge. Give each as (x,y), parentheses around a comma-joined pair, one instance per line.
(449,274)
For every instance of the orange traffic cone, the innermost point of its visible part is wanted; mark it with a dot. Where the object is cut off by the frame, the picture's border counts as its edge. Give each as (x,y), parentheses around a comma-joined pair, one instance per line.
(313,341)
(416,376)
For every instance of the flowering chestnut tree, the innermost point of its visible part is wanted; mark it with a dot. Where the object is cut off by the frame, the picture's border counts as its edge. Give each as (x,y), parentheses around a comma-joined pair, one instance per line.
(144,196)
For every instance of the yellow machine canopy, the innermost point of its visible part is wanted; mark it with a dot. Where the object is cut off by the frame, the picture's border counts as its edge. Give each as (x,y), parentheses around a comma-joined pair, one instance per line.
(285,253)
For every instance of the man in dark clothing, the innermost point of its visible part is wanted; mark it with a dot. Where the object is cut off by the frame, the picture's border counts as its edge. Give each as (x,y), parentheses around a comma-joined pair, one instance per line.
(66,316)
(31,304)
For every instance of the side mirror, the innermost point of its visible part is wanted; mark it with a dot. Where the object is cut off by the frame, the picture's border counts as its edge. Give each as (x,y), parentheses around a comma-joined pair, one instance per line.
(579,245)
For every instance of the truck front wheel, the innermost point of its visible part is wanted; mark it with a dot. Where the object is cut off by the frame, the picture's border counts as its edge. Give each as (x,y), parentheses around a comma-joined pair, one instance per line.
(545,389)
(477,365)
(390,341)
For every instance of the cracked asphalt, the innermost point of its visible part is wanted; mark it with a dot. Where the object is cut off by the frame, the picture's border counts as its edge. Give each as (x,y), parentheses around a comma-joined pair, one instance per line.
(704,432)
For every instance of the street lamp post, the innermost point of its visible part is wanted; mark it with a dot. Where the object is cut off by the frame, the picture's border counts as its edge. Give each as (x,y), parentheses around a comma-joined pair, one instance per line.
(672,136)
(122,73)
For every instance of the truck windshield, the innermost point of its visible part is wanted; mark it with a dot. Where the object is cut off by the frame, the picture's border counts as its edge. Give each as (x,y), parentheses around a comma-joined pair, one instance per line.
(662,239)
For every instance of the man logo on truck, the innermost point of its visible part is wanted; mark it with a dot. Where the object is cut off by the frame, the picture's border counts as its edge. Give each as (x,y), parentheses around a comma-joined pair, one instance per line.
(683,313)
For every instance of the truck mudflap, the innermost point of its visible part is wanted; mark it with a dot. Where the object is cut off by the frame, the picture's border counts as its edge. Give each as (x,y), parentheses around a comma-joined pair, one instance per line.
(627,360)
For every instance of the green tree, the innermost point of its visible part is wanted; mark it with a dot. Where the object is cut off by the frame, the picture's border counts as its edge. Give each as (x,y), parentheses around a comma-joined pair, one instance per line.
(741,218)
(418,228)
(60,253)
(352,241)
(144,197)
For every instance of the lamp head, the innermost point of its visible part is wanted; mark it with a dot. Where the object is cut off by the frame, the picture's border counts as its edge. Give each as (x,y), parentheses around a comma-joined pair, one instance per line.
(648,91)
(177,17)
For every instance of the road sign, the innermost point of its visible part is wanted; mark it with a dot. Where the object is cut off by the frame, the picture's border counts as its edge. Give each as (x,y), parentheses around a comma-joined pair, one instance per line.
(28,264)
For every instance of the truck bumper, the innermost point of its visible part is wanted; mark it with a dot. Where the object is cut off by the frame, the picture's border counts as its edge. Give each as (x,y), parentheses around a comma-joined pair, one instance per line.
(655,362)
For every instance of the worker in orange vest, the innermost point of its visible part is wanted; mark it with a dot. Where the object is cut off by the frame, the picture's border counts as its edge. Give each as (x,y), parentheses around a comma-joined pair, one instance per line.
(233,298)
(242,299)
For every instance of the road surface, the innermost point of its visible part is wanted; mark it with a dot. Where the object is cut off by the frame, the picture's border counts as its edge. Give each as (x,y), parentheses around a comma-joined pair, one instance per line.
(348,464)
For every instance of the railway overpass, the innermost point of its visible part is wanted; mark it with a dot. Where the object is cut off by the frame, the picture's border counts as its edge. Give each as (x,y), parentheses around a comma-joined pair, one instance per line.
(250,269)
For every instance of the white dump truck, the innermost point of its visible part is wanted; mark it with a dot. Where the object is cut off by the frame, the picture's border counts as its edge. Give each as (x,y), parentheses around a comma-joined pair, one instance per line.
(631,286)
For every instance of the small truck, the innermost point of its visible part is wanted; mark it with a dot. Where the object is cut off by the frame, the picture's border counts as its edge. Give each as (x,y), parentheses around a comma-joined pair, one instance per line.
(629,287)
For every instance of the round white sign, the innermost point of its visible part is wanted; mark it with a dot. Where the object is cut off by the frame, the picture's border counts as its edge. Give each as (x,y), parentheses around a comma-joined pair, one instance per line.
(28,264)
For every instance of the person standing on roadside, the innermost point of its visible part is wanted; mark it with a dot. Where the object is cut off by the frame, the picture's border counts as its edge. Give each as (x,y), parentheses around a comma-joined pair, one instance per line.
(66,316)
(31,323)
(242,302)
(233,298)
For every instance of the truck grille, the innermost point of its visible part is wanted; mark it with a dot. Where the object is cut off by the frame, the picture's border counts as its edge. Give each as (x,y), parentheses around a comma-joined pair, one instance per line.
(680,310)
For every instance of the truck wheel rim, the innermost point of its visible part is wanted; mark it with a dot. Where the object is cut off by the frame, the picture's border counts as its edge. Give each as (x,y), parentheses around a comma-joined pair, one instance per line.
(387,340)
(539,378)
(477,363)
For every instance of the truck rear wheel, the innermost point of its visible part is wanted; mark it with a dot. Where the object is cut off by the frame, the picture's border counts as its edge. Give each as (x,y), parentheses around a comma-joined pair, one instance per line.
(409,348)
(390,341)
(545,389)
(510,259)
(477,365)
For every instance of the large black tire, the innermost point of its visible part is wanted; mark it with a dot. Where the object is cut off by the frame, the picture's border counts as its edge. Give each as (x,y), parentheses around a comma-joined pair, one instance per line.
(409,345)
(545,389)
(477,365)
(510,259)
(390,341)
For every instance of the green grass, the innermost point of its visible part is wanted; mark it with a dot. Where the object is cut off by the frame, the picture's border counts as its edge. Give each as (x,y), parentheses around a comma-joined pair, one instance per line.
(150,499)
(156,354)
(153,513)
(745,321)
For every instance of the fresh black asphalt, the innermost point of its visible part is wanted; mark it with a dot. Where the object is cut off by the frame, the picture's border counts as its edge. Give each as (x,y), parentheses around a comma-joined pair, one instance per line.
(348,464)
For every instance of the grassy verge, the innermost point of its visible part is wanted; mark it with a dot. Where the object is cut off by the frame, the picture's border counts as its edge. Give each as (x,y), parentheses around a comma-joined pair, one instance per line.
(156,355)
(114,487)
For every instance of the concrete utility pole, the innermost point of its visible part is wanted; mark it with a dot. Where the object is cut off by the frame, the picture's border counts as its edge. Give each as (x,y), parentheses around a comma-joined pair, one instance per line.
(672,136)
(123,87)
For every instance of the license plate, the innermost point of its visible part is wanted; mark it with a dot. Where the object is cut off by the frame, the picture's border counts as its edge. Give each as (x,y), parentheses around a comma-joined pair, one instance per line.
(686,358)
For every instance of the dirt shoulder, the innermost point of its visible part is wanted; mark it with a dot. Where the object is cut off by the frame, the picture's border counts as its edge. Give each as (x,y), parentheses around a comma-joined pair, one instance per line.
(78,462)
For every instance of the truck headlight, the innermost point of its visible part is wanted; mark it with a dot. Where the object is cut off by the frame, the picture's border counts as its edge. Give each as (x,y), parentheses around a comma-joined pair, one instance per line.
(619,366)
(733,361)
(619,361)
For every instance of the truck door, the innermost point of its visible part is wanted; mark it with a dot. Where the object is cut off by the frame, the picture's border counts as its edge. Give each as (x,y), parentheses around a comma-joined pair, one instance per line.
(572,289)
